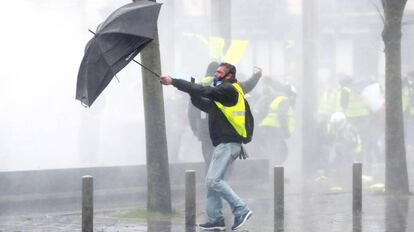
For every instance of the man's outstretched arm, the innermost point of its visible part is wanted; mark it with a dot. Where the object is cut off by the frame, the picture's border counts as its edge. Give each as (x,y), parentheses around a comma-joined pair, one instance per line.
(225,93)
(249,84)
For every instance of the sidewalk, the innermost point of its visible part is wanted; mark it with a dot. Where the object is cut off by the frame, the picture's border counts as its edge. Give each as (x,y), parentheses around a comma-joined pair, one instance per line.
(305,210)
(67,222)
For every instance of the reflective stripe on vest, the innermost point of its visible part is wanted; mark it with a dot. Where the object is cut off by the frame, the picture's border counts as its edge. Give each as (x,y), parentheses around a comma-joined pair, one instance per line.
(356,105)
(272,119)
(236,114)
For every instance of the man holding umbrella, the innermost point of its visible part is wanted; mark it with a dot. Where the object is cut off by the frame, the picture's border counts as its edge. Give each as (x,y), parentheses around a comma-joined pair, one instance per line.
(225,104)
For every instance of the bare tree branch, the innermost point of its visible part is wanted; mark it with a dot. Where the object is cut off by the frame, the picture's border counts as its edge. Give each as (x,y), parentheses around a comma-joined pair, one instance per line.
(378,10)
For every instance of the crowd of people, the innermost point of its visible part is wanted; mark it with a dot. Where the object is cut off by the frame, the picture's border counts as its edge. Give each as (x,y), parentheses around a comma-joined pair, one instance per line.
(350,127)
(272,107)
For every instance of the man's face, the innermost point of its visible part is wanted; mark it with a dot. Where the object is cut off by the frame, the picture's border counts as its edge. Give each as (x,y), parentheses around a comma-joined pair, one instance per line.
(220,72)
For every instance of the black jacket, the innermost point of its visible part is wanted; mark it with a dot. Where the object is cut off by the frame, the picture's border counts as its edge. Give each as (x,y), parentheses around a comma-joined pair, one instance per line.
(203,97)
(199,124)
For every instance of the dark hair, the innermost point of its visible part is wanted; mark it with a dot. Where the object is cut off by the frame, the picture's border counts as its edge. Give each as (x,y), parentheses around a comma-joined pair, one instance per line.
(230,68)
(211,69)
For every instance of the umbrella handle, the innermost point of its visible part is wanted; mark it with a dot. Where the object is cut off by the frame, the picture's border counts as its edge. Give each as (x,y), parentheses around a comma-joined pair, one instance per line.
(146,68)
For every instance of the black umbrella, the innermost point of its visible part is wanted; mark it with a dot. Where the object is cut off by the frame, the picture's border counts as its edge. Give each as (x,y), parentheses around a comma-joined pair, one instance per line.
(116,42)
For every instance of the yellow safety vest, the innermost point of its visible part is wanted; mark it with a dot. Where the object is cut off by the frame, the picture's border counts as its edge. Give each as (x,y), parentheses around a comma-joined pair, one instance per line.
(207,80)
(356,105)
(329,102)
(272,119)
(236,114)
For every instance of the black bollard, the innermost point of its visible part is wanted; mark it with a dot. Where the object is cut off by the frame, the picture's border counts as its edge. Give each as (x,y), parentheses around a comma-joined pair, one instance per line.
(356,196)
(279,205)
(190,200)
(87,204)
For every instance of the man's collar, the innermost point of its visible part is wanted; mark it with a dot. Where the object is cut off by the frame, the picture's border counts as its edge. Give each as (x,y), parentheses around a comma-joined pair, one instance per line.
(232,80)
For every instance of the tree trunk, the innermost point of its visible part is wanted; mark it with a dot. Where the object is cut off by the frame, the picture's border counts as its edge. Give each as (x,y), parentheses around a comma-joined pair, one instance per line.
(158,178)
(396,177)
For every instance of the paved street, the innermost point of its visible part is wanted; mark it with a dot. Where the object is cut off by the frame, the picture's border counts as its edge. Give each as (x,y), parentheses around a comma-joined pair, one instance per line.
(314,211)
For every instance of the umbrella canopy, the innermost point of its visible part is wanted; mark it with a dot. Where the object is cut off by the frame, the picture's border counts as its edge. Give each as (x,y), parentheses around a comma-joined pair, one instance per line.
(116,42)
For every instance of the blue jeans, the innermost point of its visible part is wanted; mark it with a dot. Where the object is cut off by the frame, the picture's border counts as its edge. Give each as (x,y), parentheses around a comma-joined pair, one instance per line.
(223,156)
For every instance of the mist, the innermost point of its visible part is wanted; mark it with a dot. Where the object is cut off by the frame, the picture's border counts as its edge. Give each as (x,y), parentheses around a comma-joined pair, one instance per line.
(43,127)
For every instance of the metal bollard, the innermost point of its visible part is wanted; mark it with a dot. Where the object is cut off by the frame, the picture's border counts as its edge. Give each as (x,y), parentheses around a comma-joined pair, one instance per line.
(190,200)
(356,196)
(87,204)
(279,205)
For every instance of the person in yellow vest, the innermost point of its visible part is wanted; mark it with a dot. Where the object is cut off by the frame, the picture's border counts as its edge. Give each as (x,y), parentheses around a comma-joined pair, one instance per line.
(228,113)
(278,124)
(358,114)
(328,103)
(353,105)
(199,120)
(347,147)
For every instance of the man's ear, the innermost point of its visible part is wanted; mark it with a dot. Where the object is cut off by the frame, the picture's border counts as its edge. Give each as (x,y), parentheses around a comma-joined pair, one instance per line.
(229,76)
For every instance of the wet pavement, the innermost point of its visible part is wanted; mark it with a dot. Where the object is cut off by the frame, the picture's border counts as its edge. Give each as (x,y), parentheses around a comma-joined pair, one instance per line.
(68,222)
(306,209)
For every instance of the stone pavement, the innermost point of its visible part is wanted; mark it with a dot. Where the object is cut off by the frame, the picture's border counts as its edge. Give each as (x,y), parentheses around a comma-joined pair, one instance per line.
(68,222)
(306,209)
(330,212)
